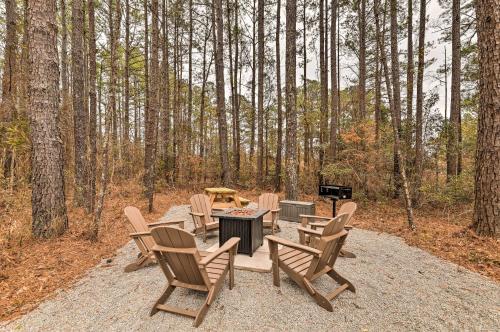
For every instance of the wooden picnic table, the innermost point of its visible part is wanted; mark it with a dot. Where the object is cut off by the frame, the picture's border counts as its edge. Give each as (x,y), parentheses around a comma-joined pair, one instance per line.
(221,197)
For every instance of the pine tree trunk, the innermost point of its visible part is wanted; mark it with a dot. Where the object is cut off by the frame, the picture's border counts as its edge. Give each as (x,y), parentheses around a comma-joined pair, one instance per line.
(378,85)
(92,104)
(487,177)
(47,200)
(291,180)
(362,60)
(219,77)
(333,79)
(419,153)
(205,72)
(382,50)
(323,88)
(126,73)
(80,114)
(236,112)
(105,174)
(396,168)
(260,95)
(454,129)
(307,132)
(190,79)
(396,112)
(232,85)
(410,69)
(151,119)
(9,86)
(254,70)
(165,96)
(279,138)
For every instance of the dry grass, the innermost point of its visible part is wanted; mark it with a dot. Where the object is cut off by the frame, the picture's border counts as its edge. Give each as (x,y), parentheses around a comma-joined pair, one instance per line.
(31,270)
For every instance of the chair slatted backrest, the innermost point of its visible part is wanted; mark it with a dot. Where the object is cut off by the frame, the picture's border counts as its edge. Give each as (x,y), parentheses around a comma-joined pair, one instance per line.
(139,225)
(329,247)
(200,203)
(268,201)
(349,208)
(179,255)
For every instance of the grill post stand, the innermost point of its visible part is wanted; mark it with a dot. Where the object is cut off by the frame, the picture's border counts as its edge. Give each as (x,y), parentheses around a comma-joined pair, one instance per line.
(334,206)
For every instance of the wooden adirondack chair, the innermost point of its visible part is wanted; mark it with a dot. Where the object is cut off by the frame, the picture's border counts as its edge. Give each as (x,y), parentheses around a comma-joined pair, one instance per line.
(269,202)
(140,234)
(186,267)
(202,215)
(305,264)
(349,208)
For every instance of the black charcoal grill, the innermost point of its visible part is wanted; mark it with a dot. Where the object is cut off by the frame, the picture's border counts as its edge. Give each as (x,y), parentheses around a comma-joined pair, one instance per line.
(335,193)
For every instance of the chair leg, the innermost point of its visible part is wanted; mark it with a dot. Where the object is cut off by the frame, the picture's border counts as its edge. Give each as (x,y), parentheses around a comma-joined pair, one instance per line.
(162,299)
(231,270)
(201,314)
(143,261)
(320,299)
(341,280)
(273,248)
(347,254)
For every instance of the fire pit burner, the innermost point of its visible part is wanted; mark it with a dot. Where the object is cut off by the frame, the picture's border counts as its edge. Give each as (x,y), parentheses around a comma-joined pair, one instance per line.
(242,212)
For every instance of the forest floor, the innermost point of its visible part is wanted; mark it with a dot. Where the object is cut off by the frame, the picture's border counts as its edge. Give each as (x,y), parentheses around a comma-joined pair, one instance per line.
(32,270)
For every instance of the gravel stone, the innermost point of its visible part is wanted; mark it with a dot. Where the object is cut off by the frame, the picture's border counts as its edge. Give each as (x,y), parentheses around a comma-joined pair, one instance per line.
(398,288)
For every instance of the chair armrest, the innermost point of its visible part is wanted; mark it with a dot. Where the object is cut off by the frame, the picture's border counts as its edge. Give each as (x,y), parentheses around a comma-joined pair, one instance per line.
(335,236)
(317,224)
(228,245)
(139,234)
(167,222)
(197,214)
(192,251)
(275,210)
(309,231)
(294,245)
(314,217)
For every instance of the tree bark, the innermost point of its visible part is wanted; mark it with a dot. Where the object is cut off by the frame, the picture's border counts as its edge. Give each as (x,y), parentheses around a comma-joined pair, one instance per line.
(9,86)
(291,180)
(323,89)
(126,73)
(260,95)
(165,105)
(378,81)
(232,80)
(453,146)
(80,114)
(487,178)
(410,70)
(236,112)
(396,112)
(307,131)
(47,200)
(333,80)
(151,119)
(419,153)
(190,79)
(219,77)
(279,138)
(254,70)
(92,104)
(362,60)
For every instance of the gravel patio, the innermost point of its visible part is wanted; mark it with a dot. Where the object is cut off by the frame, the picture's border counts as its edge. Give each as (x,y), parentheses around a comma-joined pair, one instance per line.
(398,288)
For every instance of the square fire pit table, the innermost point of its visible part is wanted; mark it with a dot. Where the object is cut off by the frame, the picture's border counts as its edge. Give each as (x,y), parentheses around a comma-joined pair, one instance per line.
(243,223)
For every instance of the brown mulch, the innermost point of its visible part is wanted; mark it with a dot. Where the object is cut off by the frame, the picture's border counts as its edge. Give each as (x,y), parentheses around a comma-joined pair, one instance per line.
(31,270)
